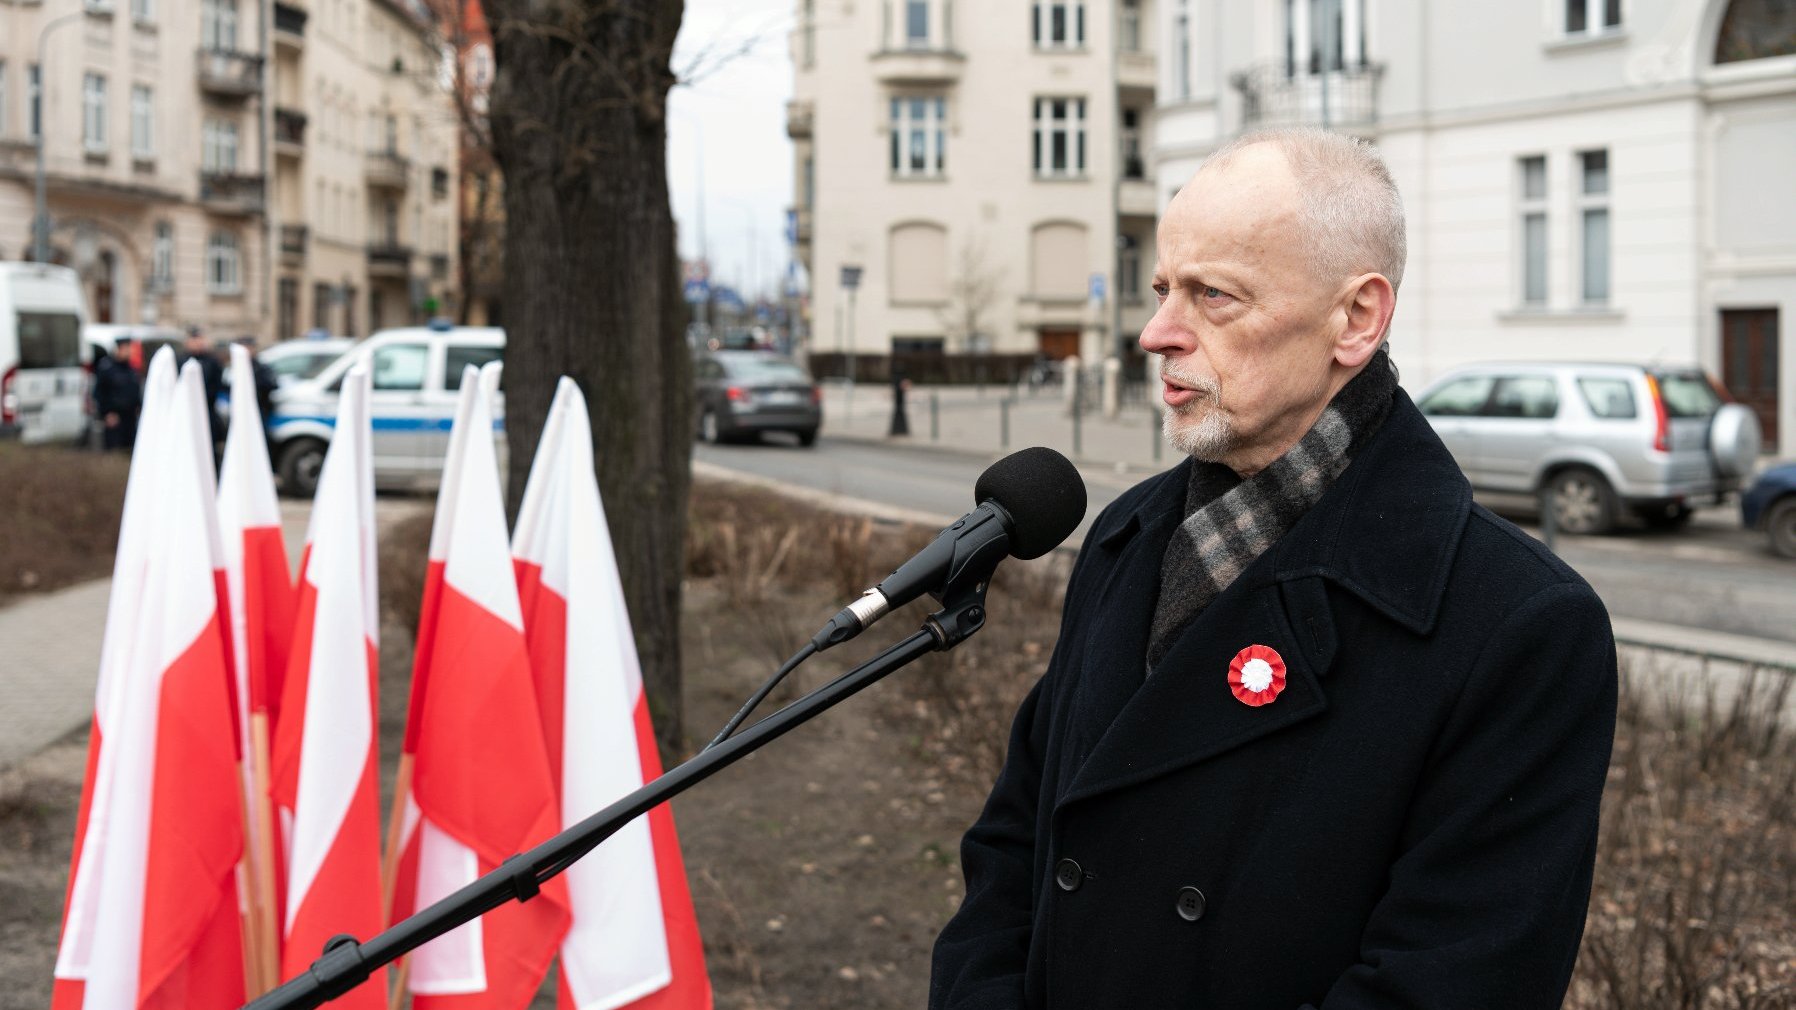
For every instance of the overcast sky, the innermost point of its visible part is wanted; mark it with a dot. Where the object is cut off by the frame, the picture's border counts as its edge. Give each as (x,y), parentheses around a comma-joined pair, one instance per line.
(731,119)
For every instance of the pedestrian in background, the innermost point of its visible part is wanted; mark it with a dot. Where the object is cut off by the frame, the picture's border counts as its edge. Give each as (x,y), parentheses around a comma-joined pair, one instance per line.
(118,396)
(212,376)
(265,381)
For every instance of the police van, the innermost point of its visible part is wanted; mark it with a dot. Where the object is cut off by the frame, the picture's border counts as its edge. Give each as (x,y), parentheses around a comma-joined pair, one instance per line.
(416,374)
(43,374)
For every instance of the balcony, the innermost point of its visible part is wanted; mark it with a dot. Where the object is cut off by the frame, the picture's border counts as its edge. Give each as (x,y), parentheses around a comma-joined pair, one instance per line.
(1135,198)
(289,27)
(387,169)
(1135,70)
(293,243)
(387,259)
(227,74)
(798,119)
(1345,99)
(231,193)
(918,66)
(289,132)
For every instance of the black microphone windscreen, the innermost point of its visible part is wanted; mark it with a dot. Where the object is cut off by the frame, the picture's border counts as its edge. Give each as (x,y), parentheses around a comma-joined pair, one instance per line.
(1043,493)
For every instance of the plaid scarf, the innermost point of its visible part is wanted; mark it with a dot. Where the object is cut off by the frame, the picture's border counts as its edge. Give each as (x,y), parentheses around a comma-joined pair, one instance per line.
(1229,522)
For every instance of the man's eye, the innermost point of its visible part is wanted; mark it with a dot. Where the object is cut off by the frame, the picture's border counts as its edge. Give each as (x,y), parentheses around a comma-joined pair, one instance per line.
(1161,290)
(1213,293)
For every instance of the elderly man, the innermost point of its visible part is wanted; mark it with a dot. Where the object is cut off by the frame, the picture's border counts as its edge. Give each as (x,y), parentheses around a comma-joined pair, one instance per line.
(1318,731)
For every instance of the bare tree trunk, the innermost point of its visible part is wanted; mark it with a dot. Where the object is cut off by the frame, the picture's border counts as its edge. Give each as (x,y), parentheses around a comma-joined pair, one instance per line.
(592,281)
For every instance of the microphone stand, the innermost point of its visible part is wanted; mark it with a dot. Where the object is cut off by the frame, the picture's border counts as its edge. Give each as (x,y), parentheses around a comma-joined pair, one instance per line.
(347,962)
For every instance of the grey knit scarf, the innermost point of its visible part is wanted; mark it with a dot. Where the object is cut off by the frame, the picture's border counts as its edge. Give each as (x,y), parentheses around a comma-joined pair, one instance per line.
(1230,522)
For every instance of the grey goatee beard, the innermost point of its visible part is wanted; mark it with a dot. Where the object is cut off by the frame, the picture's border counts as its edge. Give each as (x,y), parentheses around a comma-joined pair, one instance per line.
(1200,429)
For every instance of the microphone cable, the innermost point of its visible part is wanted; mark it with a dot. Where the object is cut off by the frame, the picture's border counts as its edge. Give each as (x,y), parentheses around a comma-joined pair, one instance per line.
(761,693)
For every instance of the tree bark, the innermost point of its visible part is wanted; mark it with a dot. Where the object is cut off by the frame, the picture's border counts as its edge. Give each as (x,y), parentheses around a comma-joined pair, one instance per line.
(592,287)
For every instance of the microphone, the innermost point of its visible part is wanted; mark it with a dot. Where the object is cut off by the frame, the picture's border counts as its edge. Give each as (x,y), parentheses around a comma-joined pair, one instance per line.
(1029,502)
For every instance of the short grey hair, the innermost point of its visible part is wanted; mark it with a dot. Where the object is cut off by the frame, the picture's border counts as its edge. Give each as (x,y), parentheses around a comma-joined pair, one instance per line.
(1351,211)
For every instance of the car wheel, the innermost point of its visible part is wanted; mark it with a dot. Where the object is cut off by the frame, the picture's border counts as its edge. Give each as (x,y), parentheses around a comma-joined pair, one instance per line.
(707,428)
(301,463)
(1781,525)
(807,437)
(1581,502)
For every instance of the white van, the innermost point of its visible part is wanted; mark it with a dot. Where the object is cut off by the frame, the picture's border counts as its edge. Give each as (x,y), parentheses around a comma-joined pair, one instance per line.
(43,381)
(417,377)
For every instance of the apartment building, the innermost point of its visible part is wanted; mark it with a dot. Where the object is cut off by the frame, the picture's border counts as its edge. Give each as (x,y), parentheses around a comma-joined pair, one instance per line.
(1584,179)
(365,142)
(148,115)
(971,176)
(204,166)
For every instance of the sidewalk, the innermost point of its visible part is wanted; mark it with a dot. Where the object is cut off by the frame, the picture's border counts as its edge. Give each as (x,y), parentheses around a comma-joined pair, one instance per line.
(973,419)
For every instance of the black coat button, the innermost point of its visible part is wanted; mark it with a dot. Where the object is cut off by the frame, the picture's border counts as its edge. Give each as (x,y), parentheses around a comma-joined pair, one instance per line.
(1068,875)
(1190,904)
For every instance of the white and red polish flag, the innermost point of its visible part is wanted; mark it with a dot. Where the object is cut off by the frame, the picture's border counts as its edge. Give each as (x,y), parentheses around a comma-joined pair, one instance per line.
(260,591)
(324,747)
(481,788)
(152,918)
(634,940)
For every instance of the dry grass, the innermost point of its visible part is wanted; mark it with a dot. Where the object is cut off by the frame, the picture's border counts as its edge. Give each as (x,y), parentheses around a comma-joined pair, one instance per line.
(62,511)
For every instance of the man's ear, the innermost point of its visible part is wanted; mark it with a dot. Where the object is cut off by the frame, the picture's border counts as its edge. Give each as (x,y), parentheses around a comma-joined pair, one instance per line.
(1369,302)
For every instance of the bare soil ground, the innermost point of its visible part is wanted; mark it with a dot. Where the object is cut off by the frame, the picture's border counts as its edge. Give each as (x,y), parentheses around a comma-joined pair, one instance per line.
(823,866)
(61,509)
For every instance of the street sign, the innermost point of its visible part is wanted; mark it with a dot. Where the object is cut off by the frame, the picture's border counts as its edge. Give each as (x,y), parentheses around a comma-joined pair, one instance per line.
(851,277)
(791,227)
(697,290)
(1097,287)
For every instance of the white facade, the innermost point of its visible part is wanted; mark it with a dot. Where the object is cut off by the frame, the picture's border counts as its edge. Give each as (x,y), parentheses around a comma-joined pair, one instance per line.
(969,158)
(1583,178)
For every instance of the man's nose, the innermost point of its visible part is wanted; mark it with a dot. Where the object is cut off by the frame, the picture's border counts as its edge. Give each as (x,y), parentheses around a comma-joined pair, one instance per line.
(1166,334)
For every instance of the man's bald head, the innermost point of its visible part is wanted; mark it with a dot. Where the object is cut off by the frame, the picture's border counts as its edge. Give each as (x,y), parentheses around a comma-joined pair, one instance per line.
(1350,214)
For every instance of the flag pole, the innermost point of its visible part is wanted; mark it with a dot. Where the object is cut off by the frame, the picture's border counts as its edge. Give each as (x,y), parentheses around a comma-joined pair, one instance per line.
(263,908)
(389,869)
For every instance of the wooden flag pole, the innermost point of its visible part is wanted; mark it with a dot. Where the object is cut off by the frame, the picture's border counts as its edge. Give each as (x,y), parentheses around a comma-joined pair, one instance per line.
(389,869)
(268,932)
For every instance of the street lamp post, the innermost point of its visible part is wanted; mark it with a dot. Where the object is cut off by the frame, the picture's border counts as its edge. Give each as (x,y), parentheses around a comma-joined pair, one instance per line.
(40,222)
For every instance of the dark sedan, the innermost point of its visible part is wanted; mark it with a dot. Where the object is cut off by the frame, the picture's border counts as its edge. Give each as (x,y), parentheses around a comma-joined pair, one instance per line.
(744,393)
(1770,505)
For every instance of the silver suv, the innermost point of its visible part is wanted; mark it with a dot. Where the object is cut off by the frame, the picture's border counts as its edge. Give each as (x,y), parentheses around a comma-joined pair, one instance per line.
(1592,440)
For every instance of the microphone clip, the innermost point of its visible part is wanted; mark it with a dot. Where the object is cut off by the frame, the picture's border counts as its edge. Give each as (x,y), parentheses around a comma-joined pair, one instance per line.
(963,596)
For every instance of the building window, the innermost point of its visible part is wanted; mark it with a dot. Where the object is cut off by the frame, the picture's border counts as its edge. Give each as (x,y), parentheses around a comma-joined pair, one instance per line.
(1059,138)
(224,264)
(810,33)
(1324,35)
(93,113)
(218,150)
(1593,214)
(1181,29)
(162,257)
(34,101)
(143,123)
(3,102)
(1128,28)
(919,137)
(1755,30)
(1533,208)
(1591,16)
(218,25)
(321,307)
(810,182)
(1134,168)
(1059,24)
(916,24)
(1128,270)
(143,11)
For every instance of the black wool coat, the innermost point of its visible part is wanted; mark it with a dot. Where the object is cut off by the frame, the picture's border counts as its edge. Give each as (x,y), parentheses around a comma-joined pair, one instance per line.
(1411,824)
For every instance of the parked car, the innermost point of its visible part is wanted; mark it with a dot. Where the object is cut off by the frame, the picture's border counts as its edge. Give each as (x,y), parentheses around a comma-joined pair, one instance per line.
(417,375)
(293,360)
(149,339)
(1770,505)
(744,393)
(1591,440)
(43,378)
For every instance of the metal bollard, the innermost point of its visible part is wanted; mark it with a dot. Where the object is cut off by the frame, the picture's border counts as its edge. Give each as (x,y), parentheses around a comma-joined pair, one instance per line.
(1004,423)
(1153,431)
(1549,521)
(935,418)
(1078,406)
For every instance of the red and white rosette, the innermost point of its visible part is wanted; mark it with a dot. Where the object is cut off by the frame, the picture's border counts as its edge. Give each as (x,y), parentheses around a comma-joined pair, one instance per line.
(1257,675)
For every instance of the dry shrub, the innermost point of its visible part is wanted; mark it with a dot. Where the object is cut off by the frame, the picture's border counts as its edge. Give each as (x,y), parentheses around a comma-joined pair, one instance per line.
(62,510)
(404,560)
(1696,864)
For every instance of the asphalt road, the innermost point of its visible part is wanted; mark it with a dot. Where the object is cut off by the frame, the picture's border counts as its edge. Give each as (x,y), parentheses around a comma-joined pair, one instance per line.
(1711,575)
